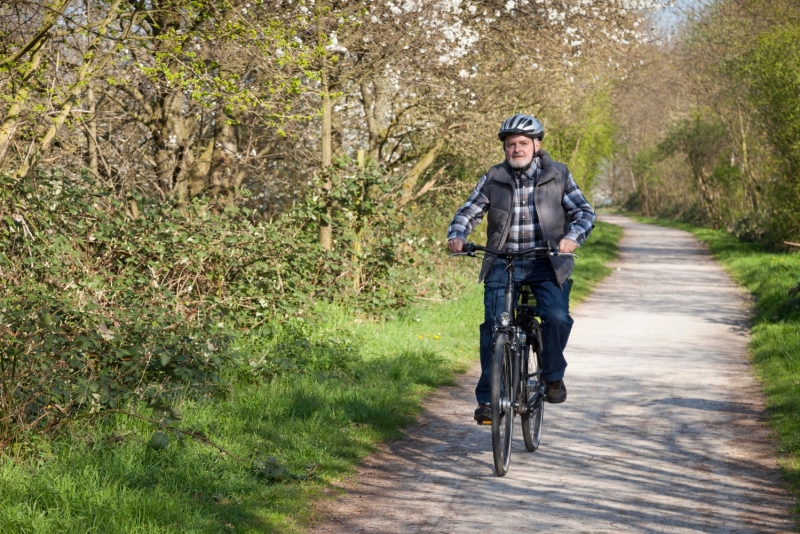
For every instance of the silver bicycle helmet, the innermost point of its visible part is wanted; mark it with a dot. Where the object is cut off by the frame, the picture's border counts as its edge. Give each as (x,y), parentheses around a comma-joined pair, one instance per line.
(521,124)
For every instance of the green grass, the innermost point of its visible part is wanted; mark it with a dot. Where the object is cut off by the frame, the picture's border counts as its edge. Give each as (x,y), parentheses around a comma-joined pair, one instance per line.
(775,343)
(359,384)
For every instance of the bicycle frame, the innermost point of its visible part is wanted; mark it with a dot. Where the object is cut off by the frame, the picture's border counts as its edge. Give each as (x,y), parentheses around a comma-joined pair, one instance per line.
(521,340)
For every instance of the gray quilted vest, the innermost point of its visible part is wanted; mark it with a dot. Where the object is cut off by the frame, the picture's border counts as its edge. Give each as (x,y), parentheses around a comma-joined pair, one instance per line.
(547,197)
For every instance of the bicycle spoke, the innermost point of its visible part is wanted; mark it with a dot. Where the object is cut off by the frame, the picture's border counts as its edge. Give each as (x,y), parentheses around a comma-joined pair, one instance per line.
(533,420)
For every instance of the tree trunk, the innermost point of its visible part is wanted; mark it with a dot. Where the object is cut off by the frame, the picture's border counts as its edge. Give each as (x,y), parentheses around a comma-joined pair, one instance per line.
(707,196)
(11,120)
(367,101)
(195,182)
(91,132)
(53,12)
(224,159)
(750,193)
(325,229)
(410,182)
(173,139)
(574,157)
(88,62)
(33,47)
(376,111)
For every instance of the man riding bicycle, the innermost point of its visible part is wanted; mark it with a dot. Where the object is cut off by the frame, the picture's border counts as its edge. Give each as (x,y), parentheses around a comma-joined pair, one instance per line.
(531,201)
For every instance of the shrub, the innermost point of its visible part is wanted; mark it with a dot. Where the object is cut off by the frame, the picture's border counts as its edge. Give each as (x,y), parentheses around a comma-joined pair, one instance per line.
(98,307)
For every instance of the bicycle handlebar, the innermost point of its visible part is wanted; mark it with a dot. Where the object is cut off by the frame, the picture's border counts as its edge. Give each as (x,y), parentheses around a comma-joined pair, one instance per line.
(469,249)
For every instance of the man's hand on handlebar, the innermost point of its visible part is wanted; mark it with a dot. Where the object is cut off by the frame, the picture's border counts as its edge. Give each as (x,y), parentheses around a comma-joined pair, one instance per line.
(455,245)
(567,246)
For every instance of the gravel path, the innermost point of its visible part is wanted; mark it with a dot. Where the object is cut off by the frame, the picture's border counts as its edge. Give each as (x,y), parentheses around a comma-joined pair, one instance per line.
(663,430)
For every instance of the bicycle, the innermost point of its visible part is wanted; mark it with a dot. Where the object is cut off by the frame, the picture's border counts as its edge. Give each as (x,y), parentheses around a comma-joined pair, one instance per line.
(516,346)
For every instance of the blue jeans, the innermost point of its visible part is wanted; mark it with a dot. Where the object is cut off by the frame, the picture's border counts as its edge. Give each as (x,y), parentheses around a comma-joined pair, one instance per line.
(552,305)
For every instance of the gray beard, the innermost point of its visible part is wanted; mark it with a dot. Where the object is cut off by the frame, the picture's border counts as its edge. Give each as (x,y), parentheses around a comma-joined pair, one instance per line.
(518,164)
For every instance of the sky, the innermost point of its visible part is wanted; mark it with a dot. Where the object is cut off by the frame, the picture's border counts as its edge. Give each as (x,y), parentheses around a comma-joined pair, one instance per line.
(674,15)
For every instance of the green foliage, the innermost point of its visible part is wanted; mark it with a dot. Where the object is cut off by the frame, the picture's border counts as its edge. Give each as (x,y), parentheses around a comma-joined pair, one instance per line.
(182,55)
(702,142)
(771,73)
(368,225)
(646,166)
(586,143)
(699,137)
(771,70)
(96,309)
(729,139)
(106,310)
(158,441)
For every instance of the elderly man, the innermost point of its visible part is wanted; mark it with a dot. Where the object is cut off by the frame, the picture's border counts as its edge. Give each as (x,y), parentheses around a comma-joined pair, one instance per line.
(531,201)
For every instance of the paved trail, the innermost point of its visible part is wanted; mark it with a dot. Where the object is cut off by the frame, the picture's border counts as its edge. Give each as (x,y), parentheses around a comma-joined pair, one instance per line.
(663,430)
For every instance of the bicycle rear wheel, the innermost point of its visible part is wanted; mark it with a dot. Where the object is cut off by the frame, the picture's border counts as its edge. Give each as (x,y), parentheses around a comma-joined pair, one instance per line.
(532,421)
(502,411)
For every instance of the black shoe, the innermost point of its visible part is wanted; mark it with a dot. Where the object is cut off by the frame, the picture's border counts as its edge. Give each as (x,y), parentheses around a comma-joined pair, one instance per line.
(483,415)
(555,392)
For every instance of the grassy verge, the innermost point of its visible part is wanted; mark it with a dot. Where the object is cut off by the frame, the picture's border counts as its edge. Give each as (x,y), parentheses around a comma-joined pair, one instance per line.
(342,387)
(773,279)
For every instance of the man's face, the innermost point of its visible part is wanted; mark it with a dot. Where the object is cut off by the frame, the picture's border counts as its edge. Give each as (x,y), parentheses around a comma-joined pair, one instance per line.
(520,149)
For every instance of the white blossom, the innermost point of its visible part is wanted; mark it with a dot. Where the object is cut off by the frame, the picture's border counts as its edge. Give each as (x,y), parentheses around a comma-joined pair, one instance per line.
(334,45)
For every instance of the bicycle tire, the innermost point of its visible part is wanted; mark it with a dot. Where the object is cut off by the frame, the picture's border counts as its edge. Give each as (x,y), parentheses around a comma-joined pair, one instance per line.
(533,420)
(501,399)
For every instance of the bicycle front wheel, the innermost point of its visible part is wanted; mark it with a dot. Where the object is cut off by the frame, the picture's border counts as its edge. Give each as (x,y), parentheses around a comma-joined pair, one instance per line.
(532,421)
(502,411)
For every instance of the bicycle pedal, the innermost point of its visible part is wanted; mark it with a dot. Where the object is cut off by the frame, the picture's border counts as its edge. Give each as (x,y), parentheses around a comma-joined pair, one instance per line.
(484,423)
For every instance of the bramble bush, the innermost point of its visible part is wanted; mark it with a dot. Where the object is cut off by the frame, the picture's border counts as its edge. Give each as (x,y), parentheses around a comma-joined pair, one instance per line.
(99,308)
(298,346)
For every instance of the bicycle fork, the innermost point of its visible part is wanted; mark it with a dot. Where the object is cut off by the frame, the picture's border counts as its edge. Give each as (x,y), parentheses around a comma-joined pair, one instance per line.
(514,341)
(518,345)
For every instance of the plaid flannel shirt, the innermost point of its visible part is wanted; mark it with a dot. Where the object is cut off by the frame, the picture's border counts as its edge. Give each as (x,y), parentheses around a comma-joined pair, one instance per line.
(525,230)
